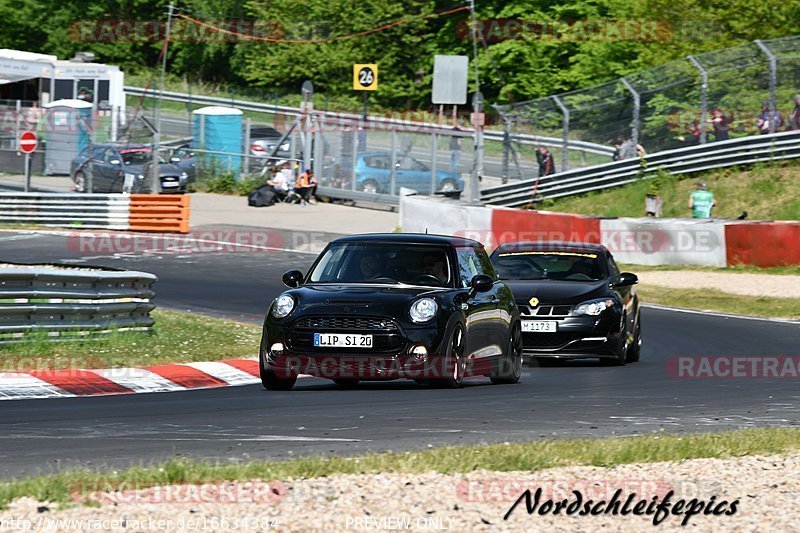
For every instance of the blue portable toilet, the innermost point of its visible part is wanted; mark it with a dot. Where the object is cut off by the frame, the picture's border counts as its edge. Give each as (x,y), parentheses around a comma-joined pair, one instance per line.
(66,127)
(219,129)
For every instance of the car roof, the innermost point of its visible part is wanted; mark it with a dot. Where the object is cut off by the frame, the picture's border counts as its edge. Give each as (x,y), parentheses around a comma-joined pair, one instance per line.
(555,246)
(410,238)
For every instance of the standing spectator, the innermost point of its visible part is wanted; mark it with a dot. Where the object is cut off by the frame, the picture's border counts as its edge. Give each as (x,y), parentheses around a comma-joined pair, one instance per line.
(701,201)
(455,151)
(618,149)
(769,121)
(794,116)
(720,123)
(31,118)
(306,186)
(545,160)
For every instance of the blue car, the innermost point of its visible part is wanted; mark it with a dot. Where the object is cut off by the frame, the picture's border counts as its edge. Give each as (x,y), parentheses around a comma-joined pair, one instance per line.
(374,174)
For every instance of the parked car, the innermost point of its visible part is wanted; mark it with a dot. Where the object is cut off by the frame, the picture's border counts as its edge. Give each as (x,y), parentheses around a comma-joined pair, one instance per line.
(124,168)
(374,174)
(388,306)
(575,303)
(263,140)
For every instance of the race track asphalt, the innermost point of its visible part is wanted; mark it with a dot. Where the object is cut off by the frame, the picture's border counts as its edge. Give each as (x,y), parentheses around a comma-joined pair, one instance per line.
(243,423)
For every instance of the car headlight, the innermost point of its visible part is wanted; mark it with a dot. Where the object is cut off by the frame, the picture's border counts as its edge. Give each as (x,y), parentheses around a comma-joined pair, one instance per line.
(423,310)
(593,307)
(140,177)
(284,304)
(184,176)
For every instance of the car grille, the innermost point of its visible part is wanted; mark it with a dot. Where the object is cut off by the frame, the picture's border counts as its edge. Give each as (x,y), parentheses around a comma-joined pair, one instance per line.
(347,323)
(548,340)
(544,310)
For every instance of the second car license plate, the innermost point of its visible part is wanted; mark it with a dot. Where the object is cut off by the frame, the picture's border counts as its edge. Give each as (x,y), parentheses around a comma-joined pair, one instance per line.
(340,340)
(169,184)
(539,326)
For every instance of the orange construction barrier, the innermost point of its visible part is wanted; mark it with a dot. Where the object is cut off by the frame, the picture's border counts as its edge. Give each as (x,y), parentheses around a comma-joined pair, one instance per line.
(159,212)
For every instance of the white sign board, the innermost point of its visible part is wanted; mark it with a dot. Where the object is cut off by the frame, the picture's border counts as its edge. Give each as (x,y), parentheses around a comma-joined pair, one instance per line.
(450,80)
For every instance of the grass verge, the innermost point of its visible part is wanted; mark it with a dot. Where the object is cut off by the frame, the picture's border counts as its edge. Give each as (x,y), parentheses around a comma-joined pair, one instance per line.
(530,456)
(738,269)
(723,302)
(176,338)
(765,191)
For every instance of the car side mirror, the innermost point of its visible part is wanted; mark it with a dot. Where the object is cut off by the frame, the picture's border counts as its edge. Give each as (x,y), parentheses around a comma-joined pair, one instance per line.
(292,278)
(114,161)
(626,279)
(481,283)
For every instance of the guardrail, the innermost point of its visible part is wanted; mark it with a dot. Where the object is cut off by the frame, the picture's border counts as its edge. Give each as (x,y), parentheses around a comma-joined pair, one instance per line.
(138,212)
(741,151)
(67,301)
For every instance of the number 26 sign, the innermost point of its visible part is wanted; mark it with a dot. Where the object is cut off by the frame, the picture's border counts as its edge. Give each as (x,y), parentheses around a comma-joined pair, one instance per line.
(365,77)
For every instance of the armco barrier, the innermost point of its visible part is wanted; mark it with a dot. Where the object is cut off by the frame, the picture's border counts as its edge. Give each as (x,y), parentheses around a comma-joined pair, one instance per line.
(643,241)
(62,299)
(763,244)
(139,212)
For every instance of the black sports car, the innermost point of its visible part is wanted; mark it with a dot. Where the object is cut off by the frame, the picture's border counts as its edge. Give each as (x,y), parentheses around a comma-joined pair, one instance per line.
(386,306)
(574,301)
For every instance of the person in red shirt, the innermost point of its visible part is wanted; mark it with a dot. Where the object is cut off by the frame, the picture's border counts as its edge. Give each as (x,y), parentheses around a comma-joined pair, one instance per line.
(306,186)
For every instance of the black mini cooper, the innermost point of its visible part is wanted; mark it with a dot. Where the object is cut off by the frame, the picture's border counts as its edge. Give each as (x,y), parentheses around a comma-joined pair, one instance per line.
(387,306)
(574,301)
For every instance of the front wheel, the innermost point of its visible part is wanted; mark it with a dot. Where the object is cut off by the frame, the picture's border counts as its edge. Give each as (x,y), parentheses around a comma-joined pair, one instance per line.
(370,186)
(509,369)
(272,381)
(635,349)
(454,364)
(80,182)
(447,185)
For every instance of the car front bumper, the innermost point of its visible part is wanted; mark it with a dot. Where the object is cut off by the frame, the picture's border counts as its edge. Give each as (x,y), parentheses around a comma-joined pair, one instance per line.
(577,337)
(391,357)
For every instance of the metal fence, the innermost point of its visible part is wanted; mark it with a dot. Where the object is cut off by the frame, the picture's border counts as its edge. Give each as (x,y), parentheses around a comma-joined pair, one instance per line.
(668,107)
(742,151)
(68,302)
(357,157)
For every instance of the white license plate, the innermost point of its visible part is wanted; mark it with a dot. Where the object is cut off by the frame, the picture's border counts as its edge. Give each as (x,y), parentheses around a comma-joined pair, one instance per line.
(169,184)
(539,326)
(340,340)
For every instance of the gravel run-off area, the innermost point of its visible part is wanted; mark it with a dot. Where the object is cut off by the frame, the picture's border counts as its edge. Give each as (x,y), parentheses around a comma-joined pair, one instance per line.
(772,285)
(765,490)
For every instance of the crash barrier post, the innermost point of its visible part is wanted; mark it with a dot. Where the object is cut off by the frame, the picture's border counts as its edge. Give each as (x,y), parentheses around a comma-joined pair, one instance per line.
(158,212)
(140,212)
(68,301)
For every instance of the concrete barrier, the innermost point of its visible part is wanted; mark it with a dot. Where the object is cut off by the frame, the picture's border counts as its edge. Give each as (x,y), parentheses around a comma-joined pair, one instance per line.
(763,244)
(651,241)
(642,241)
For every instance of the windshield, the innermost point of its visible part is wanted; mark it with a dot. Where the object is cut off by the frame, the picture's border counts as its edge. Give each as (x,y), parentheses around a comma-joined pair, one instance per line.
(138,157)
(383,262)
(533,265)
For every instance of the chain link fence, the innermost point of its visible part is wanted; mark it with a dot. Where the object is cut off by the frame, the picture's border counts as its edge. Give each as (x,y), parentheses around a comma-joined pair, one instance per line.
(734,92)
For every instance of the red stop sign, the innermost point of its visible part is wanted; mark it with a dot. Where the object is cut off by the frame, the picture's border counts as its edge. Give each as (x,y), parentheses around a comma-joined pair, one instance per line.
(28,142)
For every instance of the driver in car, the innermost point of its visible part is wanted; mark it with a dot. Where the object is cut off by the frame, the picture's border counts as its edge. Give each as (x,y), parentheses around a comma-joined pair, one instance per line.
(434,266)
(370,266)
